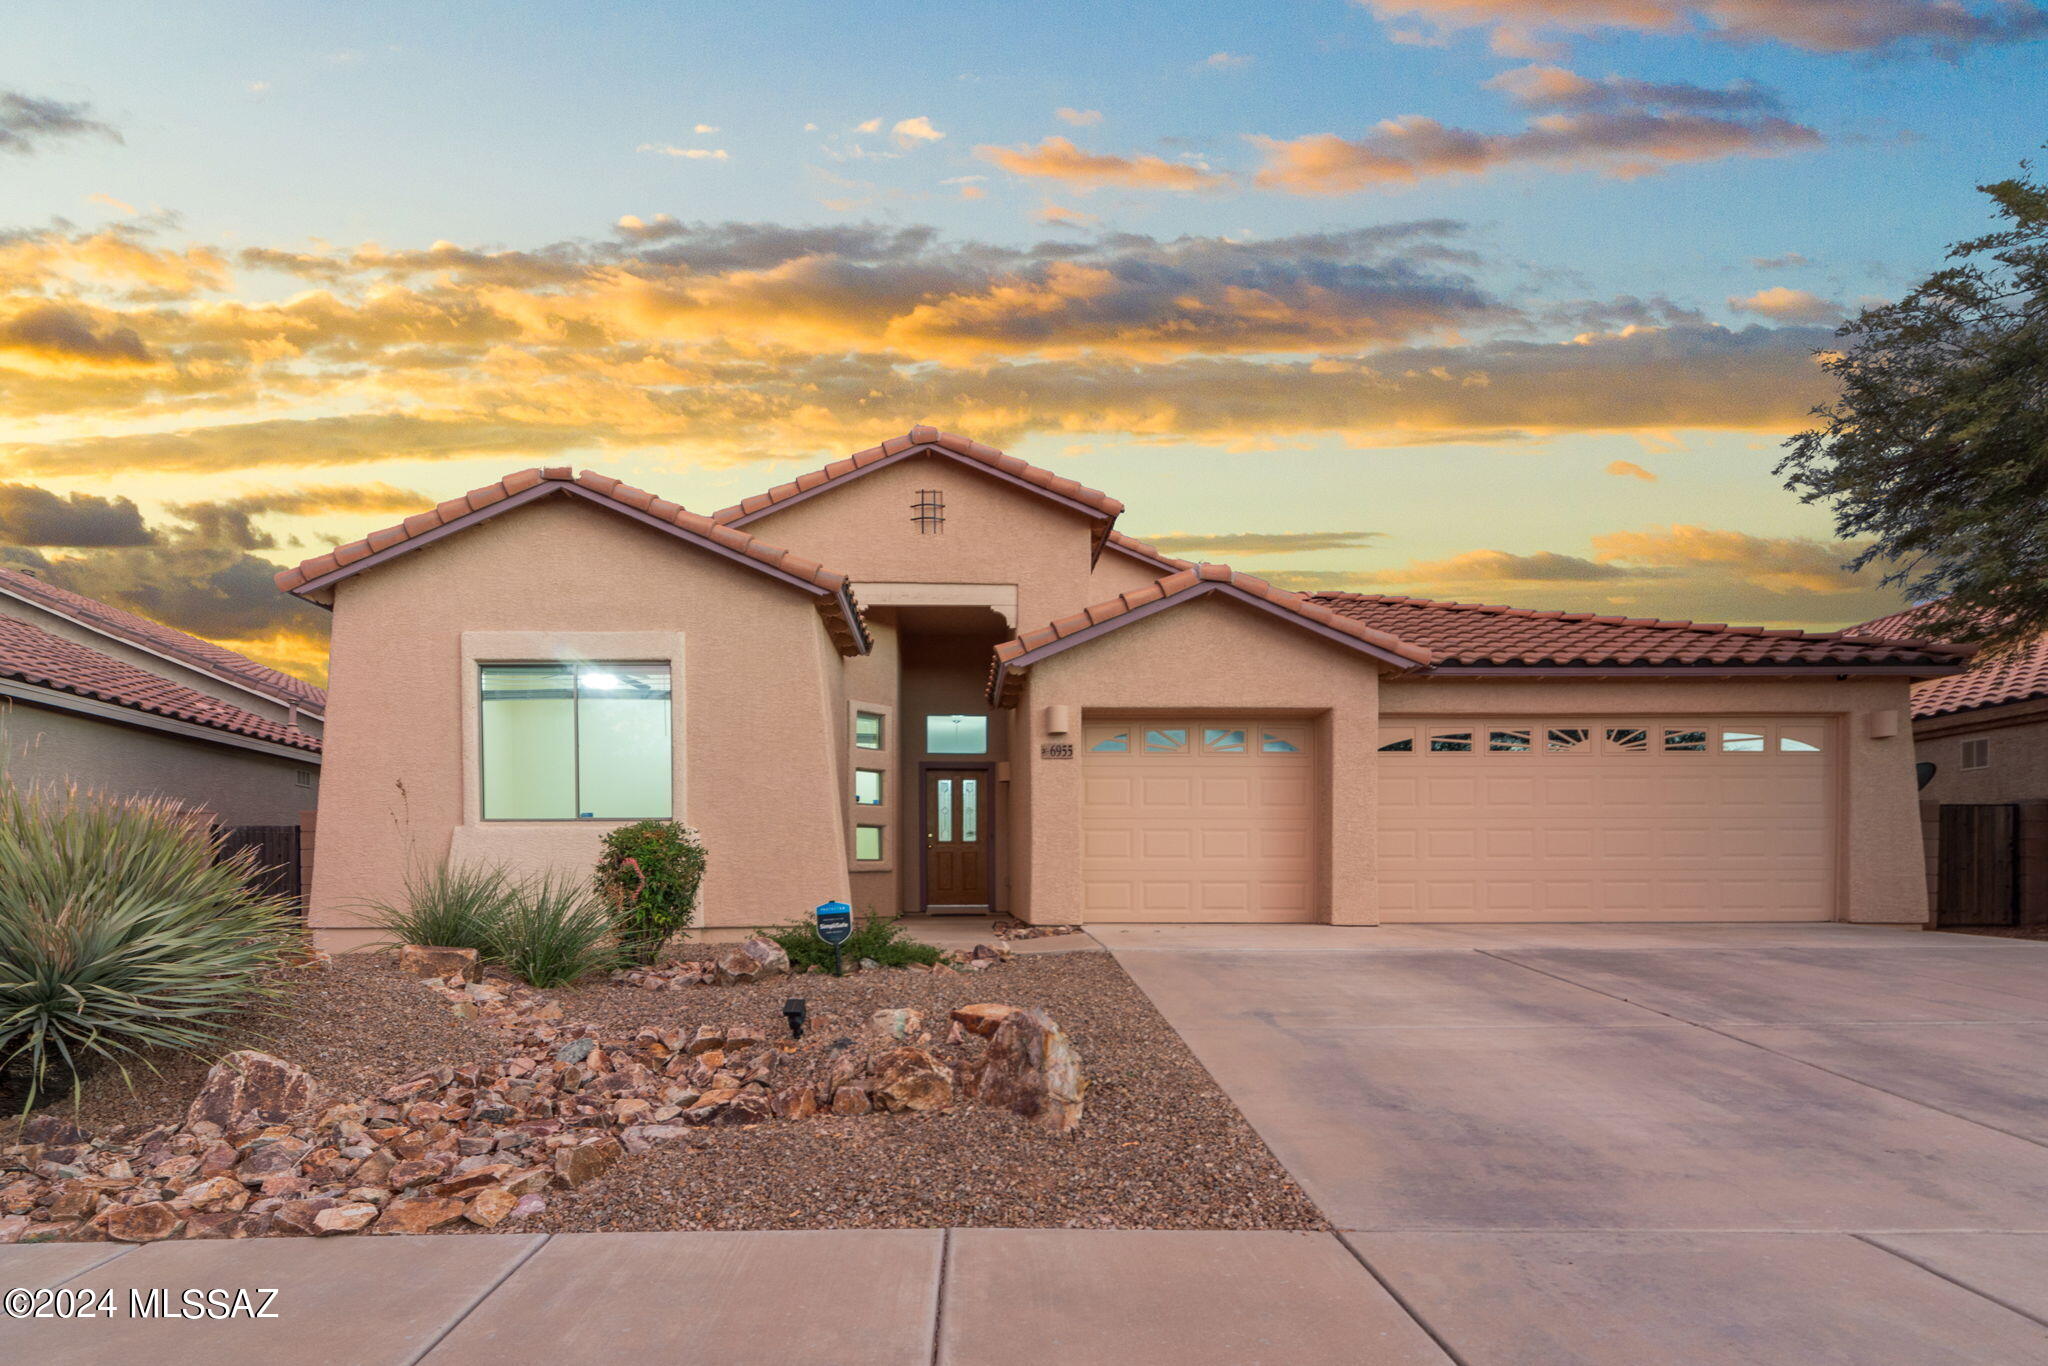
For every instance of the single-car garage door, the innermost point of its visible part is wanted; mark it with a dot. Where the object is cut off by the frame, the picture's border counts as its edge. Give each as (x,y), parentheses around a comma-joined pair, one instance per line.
(1607,818)
(1209,819)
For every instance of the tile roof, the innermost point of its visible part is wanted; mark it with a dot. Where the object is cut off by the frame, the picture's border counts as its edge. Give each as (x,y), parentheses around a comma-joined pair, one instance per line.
(1466,635)
(189,650)
(834,592)
(1014,657)
(1145,550)
(32,655)
(2016,675)
(923,440)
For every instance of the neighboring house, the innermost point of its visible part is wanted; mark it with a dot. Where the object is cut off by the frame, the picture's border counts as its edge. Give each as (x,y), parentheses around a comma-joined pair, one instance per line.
(991,699)
(115,702)
(1984,730)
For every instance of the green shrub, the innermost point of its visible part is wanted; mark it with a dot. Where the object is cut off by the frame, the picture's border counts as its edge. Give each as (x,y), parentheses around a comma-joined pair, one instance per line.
(552,930)
(649,875)
(446,905)
(120,933)
(876,938)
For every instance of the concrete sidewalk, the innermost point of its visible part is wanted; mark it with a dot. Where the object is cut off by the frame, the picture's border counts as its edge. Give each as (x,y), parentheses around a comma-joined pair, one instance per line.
(968,1297)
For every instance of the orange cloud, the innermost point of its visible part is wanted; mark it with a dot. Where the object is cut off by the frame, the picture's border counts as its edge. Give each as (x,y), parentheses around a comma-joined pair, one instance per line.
(1629,469)
(1519,26)
(1059,159)
(1623,144)
(1789,305)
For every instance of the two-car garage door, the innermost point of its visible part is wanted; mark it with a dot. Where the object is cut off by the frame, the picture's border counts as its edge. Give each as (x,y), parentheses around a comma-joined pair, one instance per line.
(1606,818)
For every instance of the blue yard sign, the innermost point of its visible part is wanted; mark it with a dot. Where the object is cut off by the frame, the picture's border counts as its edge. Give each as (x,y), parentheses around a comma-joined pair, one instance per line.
(835,923)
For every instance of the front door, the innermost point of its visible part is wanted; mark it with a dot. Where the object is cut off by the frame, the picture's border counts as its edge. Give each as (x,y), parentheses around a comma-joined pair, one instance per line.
(956,839)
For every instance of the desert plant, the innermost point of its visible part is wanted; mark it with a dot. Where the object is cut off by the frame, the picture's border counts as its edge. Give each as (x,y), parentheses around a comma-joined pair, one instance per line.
(649,875)
(551,930)
(448,905)
(121,933)
(884,941)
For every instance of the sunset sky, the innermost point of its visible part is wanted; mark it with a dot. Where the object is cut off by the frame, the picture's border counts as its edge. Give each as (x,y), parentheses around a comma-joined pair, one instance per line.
(1494,300)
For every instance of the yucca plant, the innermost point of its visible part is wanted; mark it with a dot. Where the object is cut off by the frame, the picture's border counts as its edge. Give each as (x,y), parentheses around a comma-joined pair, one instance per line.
(446,905)
(121,933)
(551,930)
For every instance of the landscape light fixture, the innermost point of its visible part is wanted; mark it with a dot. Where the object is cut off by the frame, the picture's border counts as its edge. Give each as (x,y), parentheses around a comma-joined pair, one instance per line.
(795,1011)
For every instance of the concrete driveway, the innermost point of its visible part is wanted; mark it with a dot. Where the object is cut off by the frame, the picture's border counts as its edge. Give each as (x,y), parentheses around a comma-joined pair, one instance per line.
(1578,1143)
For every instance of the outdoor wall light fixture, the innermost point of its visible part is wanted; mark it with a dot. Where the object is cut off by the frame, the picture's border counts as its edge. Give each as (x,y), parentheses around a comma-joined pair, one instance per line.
(796,1012)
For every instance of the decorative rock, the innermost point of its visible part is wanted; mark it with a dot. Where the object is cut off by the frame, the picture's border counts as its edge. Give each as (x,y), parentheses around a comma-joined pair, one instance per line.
(576,1050)
(416,1214)
(491,1207)
(247,1089)
(301,1216)
(217,1194)
(851,1100)
(1032,1070)
(755,960)
(344,1218)
(708,1039)
(423,960)
(51,1130)
(983,1020)
(146,1223)
(586,1162)
(910,1079)
(898,1025)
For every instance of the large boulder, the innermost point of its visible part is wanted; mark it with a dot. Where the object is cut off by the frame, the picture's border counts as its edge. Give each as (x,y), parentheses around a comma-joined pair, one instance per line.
(983,1019)
(754,960)
(246,1090)
(895,1026)
(146,1223)
(1031,1069)
(910,1079)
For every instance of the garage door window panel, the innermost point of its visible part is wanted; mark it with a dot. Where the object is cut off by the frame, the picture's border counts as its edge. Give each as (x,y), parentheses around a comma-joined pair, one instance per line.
(1450,742)
(1292,740)
(1222,741)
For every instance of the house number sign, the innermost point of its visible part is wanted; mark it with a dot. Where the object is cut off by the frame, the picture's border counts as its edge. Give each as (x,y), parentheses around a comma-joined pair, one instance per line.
(1059,751)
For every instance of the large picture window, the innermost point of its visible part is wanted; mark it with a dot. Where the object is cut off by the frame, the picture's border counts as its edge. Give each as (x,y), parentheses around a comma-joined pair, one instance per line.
(575,742)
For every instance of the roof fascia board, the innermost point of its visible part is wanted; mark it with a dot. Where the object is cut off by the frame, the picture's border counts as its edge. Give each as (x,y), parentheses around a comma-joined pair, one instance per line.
(1691,670)
(240,685)
(926,448)
(56,699)
(545,489)
(1202,589)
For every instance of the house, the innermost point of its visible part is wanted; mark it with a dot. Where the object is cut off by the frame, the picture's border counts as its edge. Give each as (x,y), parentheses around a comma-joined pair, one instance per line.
(1981,741)
(115,702)
(1984,731)
(932,678)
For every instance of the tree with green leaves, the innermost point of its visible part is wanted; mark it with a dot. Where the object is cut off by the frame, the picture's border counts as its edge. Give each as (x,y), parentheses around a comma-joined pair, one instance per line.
(1935,453)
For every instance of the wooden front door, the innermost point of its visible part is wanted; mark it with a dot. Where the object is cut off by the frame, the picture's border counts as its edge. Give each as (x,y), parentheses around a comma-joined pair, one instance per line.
(957,805)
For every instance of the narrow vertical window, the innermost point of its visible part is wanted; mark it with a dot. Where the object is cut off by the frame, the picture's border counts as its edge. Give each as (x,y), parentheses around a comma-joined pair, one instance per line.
(945,810)
(970,816)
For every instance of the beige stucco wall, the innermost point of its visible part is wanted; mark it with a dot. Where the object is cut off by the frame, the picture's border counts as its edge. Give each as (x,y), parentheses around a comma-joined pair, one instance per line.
(2018,771)
(1117,573)
(1879,858)
(1210,655)
(757,710)
(995,533)
(239,786)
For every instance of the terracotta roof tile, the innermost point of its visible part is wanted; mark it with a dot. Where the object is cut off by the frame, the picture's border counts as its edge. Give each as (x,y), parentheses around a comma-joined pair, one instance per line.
(921,438)
(32,655)
(2016,675)
(1476,635)
(1014,657)
(154,635)
(835,595)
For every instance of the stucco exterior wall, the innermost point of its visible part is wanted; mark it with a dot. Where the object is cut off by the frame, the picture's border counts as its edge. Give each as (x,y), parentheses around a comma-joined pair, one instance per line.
(994,533)
(755,711)
(1217,656)
(1881,875)
(2018,754)
(1116,573)
(239,786)
(869,682)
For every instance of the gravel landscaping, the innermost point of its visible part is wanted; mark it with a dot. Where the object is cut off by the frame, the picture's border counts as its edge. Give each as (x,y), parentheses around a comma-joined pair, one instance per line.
(358,1025)
(1160,1145)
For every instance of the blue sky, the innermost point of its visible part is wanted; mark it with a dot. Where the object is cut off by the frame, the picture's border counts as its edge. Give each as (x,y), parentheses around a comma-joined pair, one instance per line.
(1169,290)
